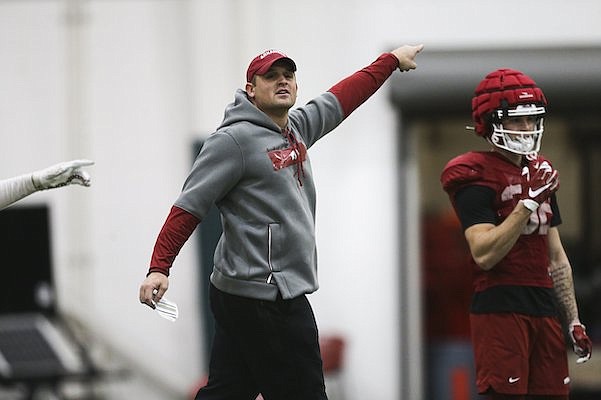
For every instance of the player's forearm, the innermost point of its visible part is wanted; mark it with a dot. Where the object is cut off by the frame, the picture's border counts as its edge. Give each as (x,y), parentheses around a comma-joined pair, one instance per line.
(561,274)
(489,244)
(563,285)
(14,189)
(357,88)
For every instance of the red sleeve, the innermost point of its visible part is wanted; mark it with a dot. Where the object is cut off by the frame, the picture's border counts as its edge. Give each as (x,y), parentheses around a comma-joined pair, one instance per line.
(355,89)
(175,232)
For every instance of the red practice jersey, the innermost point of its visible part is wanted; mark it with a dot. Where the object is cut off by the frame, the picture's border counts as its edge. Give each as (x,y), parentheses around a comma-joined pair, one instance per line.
(527,262)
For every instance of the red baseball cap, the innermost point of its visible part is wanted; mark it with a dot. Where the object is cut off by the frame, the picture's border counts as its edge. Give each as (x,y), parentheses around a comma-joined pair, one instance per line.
(261,63)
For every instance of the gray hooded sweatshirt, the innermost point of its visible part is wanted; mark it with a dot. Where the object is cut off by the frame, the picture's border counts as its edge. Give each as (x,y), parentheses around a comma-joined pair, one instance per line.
(260,179)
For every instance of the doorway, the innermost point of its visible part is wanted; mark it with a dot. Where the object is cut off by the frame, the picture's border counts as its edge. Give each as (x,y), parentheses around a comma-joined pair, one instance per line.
(434,106)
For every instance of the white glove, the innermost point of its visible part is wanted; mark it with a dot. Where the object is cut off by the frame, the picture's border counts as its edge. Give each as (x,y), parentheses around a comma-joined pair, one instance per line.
(65,173)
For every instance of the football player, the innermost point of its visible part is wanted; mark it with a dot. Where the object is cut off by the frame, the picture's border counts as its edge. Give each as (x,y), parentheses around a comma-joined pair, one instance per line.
(506,201)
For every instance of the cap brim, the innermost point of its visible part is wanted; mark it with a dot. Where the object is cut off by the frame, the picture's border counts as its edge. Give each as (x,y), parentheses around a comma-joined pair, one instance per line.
(263,70)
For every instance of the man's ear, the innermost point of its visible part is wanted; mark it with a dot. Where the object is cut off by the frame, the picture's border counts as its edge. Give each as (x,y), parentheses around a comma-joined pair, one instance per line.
(250,90)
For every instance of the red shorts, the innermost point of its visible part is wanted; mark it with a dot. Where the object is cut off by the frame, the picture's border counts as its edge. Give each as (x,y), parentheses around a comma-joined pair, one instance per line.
(517,354)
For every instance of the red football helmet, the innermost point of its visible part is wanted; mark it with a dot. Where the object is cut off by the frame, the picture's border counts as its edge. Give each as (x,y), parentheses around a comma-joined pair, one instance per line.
(508,93)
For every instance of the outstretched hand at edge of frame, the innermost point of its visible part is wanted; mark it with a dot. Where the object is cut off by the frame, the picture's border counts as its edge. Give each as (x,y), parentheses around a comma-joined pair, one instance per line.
(62,174)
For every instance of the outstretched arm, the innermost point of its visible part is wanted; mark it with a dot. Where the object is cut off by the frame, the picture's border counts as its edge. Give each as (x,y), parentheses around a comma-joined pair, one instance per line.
(14,189)
(357,88)
(63,174)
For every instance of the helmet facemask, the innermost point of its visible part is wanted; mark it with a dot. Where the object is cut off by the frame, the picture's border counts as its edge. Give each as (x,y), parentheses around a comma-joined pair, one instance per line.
(521,142)
(507,94)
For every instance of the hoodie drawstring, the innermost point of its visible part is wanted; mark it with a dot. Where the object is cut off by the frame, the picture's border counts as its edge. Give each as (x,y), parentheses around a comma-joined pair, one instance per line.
(298,150)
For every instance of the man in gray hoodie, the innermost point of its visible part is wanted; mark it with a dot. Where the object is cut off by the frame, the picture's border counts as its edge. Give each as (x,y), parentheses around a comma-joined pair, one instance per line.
(256,169)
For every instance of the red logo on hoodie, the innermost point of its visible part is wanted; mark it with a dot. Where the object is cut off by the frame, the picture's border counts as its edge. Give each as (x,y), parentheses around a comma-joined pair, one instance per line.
(296,154)
(286,157)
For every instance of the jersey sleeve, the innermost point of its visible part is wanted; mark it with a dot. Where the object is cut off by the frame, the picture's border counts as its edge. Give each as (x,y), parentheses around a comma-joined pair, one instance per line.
(465,170)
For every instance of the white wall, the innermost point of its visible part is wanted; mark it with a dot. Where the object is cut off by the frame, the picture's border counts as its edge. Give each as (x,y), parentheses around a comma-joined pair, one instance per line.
(131,83)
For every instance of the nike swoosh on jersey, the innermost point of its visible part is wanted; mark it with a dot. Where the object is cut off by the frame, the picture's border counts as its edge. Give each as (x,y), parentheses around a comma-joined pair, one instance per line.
(513,380)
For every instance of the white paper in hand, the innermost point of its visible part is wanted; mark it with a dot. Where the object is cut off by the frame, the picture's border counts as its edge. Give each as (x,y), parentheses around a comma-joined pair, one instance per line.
(167,309)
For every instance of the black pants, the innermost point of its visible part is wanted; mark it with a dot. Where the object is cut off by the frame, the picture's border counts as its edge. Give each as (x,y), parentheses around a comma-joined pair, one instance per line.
(267,347)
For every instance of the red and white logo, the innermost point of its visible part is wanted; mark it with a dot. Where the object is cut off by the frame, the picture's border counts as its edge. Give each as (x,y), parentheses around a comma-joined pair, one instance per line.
(525,95)
(271,51)
(286,157)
